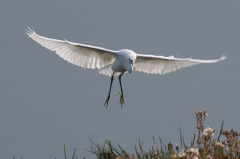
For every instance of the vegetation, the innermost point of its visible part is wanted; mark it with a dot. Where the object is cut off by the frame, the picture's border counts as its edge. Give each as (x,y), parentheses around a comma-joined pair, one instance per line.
(202,147)
(65,154)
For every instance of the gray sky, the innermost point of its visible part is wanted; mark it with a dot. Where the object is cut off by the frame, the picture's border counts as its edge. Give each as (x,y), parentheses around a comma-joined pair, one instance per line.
(46,102)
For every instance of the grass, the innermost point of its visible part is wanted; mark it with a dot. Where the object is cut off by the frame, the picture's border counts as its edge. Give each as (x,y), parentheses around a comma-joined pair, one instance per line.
(203,146)
(65,154)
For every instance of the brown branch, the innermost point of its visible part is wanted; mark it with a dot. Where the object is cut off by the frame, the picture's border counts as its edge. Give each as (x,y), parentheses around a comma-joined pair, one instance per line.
(180,136)
(220,132)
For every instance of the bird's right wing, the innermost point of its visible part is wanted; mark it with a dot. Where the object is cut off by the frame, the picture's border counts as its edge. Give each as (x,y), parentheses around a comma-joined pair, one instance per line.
(161,65)
(82,55)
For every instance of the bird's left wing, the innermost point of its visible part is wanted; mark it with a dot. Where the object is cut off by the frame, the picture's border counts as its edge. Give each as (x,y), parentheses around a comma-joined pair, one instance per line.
(82,55)
(161,65)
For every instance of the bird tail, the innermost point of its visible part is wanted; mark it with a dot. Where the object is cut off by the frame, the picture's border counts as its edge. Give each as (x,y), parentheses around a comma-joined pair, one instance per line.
(107,70)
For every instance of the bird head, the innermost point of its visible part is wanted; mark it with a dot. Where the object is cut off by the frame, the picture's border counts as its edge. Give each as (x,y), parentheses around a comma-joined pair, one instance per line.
(132,59)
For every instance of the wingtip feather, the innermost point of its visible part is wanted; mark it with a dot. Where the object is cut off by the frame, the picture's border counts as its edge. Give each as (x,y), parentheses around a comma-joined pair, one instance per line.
(223,57)
(30,31)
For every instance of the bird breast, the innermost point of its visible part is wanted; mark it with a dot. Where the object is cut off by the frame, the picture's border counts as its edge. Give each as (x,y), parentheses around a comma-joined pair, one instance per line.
(122,62)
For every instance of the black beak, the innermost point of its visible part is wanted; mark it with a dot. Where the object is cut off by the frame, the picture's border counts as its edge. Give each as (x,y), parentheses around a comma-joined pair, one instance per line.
(131,61)
(132,64)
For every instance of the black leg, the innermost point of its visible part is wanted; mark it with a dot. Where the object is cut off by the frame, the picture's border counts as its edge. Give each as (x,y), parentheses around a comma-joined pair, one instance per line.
(121,93)
(109,92)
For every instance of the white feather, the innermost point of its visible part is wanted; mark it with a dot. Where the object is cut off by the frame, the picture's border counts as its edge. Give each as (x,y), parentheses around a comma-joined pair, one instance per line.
(82,55)
(109,61)
(161,65)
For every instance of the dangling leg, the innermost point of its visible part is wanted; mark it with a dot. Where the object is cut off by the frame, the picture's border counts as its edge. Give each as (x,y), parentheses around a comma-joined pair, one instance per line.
(106,102)
(121,93)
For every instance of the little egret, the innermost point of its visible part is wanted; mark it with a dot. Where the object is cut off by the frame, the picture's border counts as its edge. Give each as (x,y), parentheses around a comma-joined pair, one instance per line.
(111,63)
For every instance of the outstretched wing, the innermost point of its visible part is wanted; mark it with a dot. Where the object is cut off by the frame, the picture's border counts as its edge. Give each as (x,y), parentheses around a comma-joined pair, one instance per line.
(82,55)
(161,65)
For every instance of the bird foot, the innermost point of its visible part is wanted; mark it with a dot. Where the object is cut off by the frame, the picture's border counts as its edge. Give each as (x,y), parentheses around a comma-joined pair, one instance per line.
(121,99)
(107,100)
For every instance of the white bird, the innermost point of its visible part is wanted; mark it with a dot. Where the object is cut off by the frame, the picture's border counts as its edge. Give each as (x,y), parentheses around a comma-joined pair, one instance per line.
(109,62)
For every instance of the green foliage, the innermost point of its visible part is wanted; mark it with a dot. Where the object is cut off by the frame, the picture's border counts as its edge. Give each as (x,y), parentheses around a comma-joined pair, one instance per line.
(107,151)
(207,148)
(65,154)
